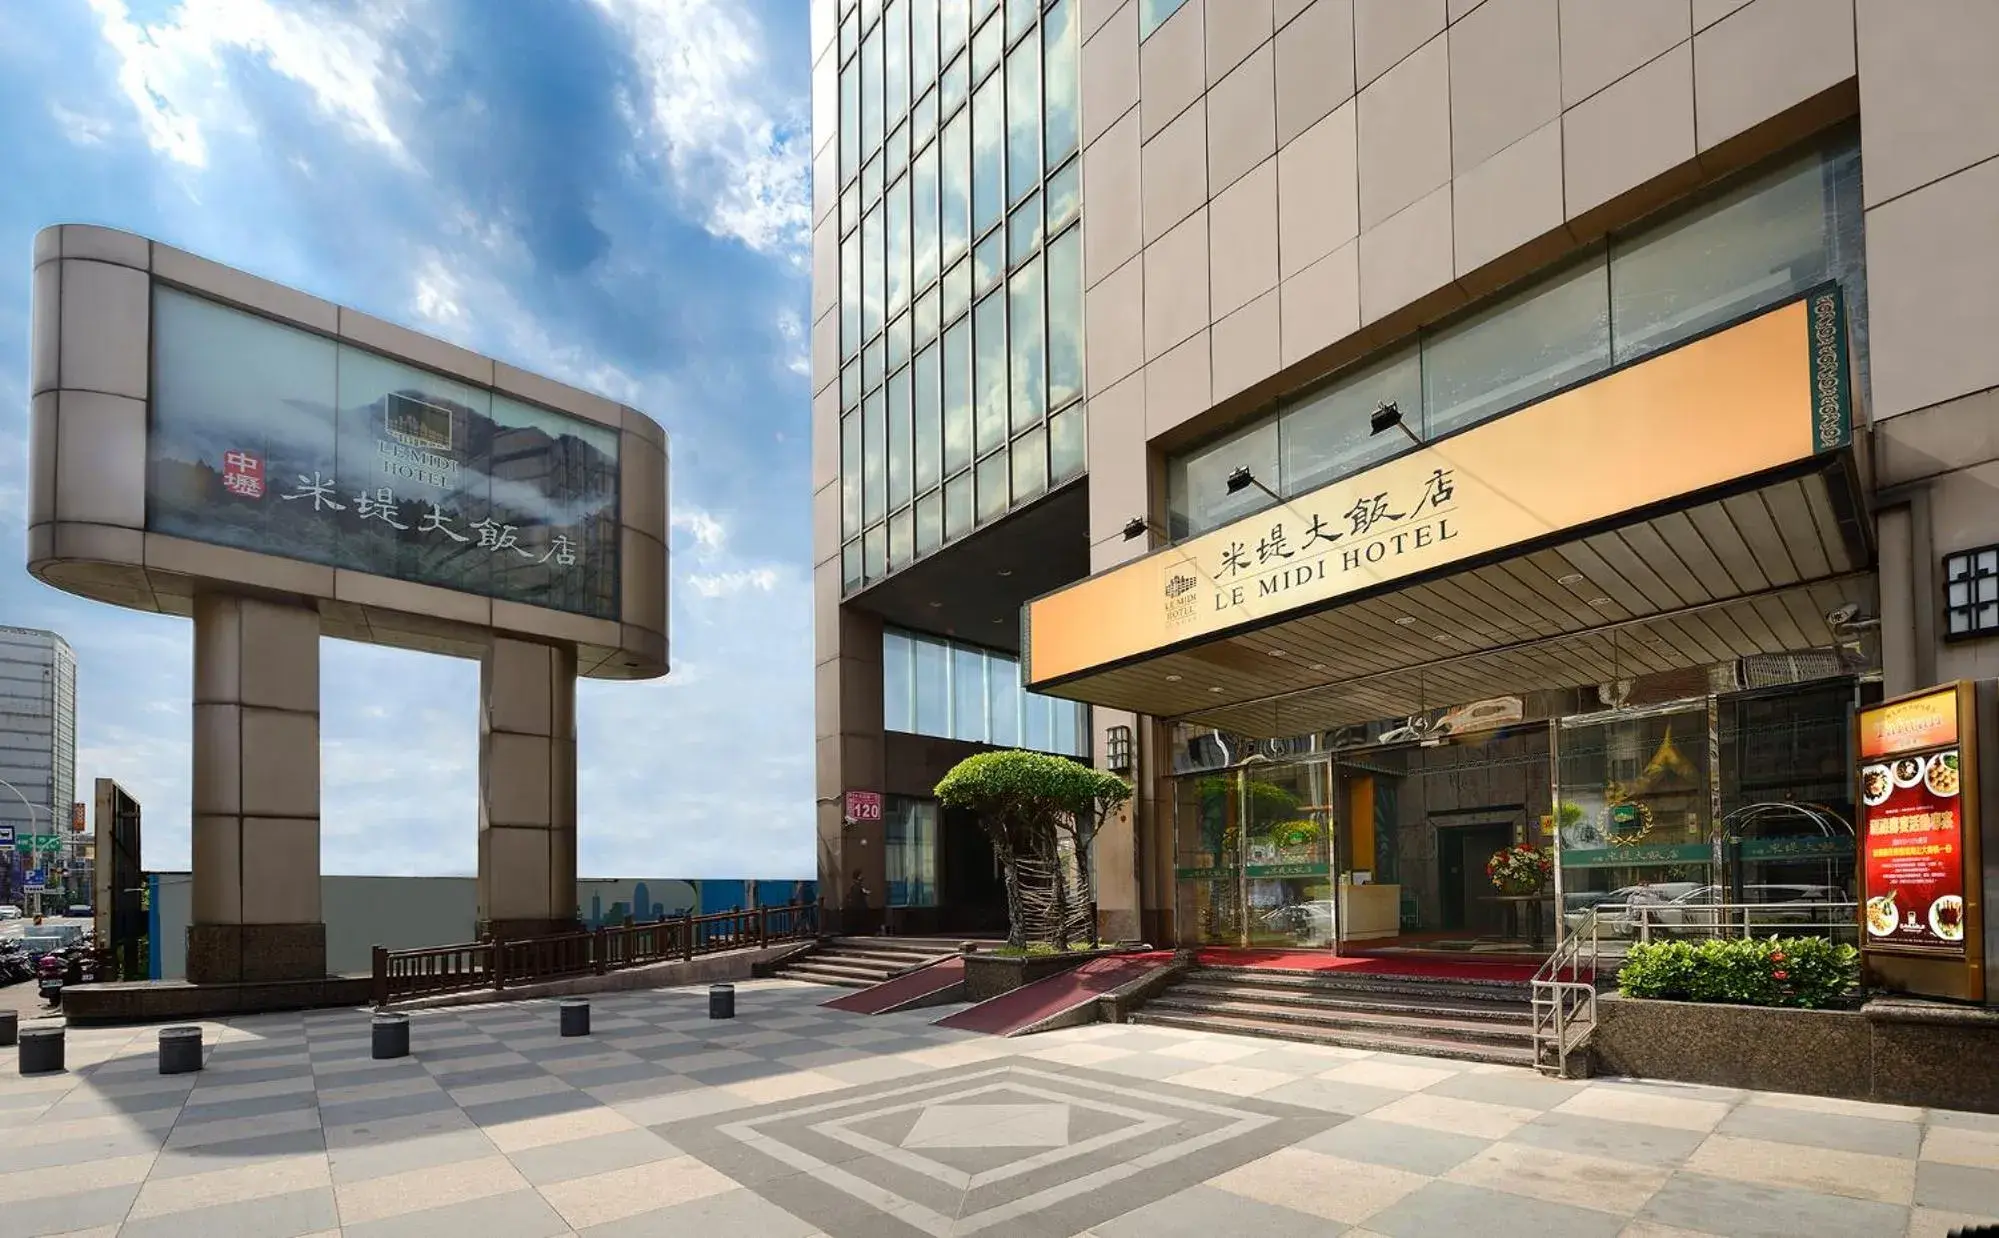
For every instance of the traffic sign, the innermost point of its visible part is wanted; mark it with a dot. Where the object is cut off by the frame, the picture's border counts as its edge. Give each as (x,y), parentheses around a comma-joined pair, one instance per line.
(39,842)
(34,880)
(6,835)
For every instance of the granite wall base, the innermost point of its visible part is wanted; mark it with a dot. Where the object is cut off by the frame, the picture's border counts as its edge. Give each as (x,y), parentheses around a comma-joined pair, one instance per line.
(255,953)
(1892,1051)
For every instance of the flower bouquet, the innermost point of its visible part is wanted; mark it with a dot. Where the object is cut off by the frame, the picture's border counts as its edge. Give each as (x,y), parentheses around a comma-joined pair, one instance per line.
(1521,868)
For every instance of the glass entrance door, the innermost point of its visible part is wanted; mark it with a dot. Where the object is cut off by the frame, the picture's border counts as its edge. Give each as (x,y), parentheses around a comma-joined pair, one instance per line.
(1253,856)
(1287,853)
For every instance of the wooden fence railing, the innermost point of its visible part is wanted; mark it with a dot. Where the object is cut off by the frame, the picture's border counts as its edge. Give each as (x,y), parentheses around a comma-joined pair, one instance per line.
(404,975)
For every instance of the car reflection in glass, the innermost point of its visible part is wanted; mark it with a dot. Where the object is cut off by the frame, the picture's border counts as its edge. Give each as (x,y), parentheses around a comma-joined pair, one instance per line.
(1692,909)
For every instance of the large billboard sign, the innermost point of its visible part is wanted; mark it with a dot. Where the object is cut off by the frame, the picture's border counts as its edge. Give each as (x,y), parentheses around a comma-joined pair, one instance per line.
(274,439)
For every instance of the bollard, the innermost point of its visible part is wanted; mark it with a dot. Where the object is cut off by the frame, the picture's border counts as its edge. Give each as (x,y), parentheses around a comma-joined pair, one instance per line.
(10,1027)
(180,1050)
(391,1035)
(41,1050)
(721,1001)
(575,1018)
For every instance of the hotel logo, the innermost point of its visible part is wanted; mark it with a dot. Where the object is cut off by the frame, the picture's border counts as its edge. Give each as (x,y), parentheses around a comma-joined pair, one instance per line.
(1181,601)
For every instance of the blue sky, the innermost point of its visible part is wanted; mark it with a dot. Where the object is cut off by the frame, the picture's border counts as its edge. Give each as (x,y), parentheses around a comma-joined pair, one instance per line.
(612,192)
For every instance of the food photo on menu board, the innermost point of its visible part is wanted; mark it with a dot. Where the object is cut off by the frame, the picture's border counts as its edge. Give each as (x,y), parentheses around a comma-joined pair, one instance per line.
(1915,865)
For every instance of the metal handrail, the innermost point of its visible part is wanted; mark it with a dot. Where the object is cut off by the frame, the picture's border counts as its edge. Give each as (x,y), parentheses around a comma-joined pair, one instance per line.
(1564,989)
(1742,919)
(1564,999)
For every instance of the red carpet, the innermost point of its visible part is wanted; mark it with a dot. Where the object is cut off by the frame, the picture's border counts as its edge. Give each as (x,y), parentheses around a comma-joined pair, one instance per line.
(900,990)
(1030,1004)
(1318,961)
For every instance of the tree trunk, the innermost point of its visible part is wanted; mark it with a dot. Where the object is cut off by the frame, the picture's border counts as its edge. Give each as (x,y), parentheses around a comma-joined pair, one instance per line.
(1016,913)
(1016,929)
(1061,890)
(1086,883)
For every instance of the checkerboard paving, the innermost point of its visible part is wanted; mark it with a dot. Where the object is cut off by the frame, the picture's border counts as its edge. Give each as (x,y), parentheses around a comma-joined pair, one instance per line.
(792,1120)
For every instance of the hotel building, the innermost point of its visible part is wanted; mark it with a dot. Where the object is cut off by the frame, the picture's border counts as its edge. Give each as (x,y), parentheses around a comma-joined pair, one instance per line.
(1390,430)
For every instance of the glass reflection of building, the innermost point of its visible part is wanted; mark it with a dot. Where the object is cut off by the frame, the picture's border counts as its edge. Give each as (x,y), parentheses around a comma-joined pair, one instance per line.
(960,270)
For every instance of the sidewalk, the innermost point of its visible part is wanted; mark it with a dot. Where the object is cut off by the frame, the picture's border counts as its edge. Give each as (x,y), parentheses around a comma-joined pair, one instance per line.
(795,1120)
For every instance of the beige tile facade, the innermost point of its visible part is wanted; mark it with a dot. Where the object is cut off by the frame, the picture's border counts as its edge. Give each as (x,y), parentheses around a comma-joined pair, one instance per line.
(527,788)
(1427,153)
(256,793)
(1277,189)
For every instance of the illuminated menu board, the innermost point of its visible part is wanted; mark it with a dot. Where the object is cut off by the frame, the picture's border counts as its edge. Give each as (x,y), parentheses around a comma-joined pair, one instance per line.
(1913,825)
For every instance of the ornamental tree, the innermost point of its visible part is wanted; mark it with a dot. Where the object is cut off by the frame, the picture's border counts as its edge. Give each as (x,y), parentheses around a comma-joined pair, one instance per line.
(1042,813)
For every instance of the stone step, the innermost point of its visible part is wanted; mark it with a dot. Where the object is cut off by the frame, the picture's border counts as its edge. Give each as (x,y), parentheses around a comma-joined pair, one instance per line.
(831,966)
(1478,1031)
(1413,1005)
(1347,982)
(920,945)
(804,977)
(1422,1046)
(884,959)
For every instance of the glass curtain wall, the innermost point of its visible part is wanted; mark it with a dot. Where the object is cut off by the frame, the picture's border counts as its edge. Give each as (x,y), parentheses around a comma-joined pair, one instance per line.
(961,270)
(1741,799)
(938,687)
(1787,796)
(911,859)
(1752,246)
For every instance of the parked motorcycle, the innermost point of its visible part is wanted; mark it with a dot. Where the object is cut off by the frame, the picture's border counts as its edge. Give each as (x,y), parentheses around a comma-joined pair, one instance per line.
(15,966)
(51,972)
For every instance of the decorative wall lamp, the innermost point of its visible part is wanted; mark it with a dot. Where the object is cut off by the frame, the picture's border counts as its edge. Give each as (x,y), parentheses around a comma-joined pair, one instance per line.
(1117,749)
(1971,593)
(1139,526)
(1241,479)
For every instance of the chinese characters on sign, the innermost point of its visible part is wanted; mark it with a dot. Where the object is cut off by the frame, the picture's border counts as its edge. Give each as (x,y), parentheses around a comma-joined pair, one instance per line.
(1302,547)
(1912,827)
(243,474)
(864,806)
(381,504)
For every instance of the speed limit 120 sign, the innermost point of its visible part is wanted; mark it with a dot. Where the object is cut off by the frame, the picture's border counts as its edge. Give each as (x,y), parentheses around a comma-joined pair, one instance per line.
(864,806)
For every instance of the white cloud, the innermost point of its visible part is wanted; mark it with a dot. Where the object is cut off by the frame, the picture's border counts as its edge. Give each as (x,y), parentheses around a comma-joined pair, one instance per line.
(436,296)
(444,285)
(723,584)
(798,357)
(174,73)
(707,532)
(78,128)
(743,155)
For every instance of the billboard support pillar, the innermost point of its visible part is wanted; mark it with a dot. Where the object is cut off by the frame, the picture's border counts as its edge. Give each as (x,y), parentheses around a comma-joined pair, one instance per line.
(527,789)
(256,914)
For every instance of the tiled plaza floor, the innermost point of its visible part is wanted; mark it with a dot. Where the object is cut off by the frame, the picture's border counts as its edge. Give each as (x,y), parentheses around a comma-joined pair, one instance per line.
(792,1121)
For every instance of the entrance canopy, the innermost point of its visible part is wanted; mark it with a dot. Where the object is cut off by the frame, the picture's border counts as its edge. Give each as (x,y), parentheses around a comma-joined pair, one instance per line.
(1696,507)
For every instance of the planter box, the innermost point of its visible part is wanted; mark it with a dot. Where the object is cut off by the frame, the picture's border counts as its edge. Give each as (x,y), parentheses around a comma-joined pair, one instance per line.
(1820,1052)
(989,975)
(1897,1052)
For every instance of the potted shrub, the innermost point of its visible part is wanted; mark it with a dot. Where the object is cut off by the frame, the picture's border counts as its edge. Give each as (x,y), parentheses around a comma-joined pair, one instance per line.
(1042,814)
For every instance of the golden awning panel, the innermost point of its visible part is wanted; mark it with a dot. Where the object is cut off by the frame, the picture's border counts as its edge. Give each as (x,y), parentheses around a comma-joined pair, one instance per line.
(1718,472)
